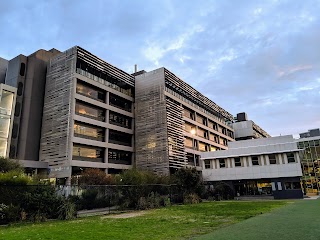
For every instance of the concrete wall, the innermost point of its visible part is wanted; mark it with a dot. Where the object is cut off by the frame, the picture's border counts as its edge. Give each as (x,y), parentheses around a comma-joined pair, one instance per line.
(3,68)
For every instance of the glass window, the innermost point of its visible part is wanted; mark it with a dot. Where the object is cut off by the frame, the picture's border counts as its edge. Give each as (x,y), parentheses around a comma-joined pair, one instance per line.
(188,142)
(207,164)
(222,163)
(292,185)
(272,159)
(119,157)
(90,91)
(120,102)
(6,103)
(291,158)
(3,147)
(88,131)
(202,147)
(237,162)
(120,138)
(86,153)
(4,126)
(22,69)
(90,111)
(255,160)
(119,120)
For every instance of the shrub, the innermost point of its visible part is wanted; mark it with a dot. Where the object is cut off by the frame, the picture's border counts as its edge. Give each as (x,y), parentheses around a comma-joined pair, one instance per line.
(7,165)
(67,210)
(94,176)
(14,177)
(188,180)
(191,198)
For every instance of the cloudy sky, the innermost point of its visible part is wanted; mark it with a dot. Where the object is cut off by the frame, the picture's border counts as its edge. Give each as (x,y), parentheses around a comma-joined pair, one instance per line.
(261,57)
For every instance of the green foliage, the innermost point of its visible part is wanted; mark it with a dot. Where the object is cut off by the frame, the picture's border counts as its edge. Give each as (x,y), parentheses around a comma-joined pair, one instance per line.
(14,177)
(191,198)
(7,165)
(67,210)
(138,177)
(41,203)
(93,176)
(223,191)
(188,180)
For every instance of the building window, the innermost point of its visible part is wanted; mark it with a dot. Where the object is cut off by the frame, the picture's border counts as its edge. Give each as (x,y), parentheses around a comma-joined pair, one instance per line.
(88,131)
(119,120)
(119,157)
(22,69)
(120,138)
(222,163)
(237,162)
(90,111)
(207,164)
(119,102)
(272,159)
(90,91)
(86,153)
(255,160)
(292,185)
(291,158)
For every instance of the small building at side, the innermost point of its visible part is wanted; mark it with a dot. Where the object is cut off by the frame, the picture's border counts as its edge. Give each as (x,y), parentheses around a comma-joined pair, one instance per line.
(266,166)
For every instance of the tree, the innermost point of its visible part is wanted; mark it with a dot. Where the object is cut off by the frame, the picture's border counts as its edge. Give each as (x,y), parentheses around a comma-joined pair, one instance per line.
(188,180)
(94,176)
(7,165)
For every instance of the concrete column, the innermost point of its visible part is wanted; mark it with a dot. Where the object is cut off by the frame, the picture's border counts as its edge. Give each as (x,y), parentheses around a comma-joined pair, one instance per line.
(280,158)
(285,158)
(249,161)
(267,160)
(243,161)
(261,160)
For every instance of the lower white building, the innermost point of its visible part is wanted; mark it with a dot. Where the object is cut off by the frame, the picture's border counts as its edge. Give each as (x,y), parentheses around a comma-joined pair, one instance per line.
(266,166)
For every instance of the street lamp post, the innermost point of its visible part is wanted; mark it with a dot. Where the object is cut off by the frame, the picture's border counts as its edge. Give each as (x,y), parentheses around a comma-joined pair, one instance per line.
(193,133)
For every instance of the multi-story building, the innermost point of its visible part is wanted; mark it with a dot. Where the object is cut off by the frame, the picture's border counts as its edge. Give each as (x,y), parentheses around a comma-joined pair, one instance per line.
(88,115)
(246,129)
(265,166)
(3,69)
(7,105)
(28,75)
(175,123)
(310,163)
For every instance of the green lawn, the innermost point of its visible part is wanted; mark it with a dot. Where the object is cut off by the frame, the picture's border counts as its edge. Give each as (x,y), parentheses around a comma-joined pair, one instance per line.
(176,222)
(297,221)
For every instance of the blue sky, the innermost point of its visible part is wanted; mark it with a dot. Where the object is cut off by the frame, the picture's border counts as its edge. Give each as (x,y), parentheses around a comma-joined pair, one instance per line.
(261,57)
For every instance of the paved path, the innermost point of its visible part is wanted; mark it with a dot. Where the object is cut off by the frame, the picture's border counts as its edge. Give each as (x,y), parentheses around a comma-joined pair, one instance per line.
(299,220)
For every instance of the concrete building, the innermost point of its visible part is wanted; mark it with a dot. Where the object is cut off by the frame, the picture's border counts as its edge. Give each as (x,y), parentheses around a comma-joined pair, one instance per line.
(268,166)
(3,69)
(88,115)
(7,105)
(310,133)
(175,123)
(310,163)
(28,75)
(246,129)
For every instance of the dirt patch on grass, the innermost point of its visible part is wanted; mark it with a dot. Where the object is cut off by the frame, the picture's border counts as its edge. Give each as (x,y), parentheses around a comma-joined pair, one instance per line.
(125,215)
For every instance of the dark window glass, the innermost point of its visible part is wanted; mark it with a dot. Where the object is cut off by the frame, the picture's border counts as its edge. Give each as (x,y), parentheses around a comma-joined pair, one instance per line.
(90,91)
(86,153)
(15,130)
(88,131)
(272,159)
(291,158)
(119,157)
(207,164)
(237,162)
(255,160)
(222,163)
(17,109)
(120,102)
(120,138)
(20,89)
(90,111)
(22,69)
(292,185)
(119,120)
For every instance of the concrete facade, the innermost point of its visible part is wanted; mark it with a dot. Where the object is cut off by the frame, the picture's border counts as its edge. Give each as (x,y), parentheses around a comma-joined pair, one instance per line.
(269,159)
(3,69)
(175,123)
(28,75)
(88,106)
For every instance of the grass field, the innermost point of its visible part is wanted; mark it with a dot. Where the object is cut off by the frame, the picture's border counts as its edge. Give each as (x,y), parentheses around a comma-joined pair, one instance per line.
(297,221)
(176,222)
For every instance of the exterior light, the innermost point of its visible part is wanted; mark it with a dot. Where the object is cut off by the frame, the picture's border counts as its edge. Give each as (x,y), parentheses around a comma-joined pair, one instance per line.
(193,131)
